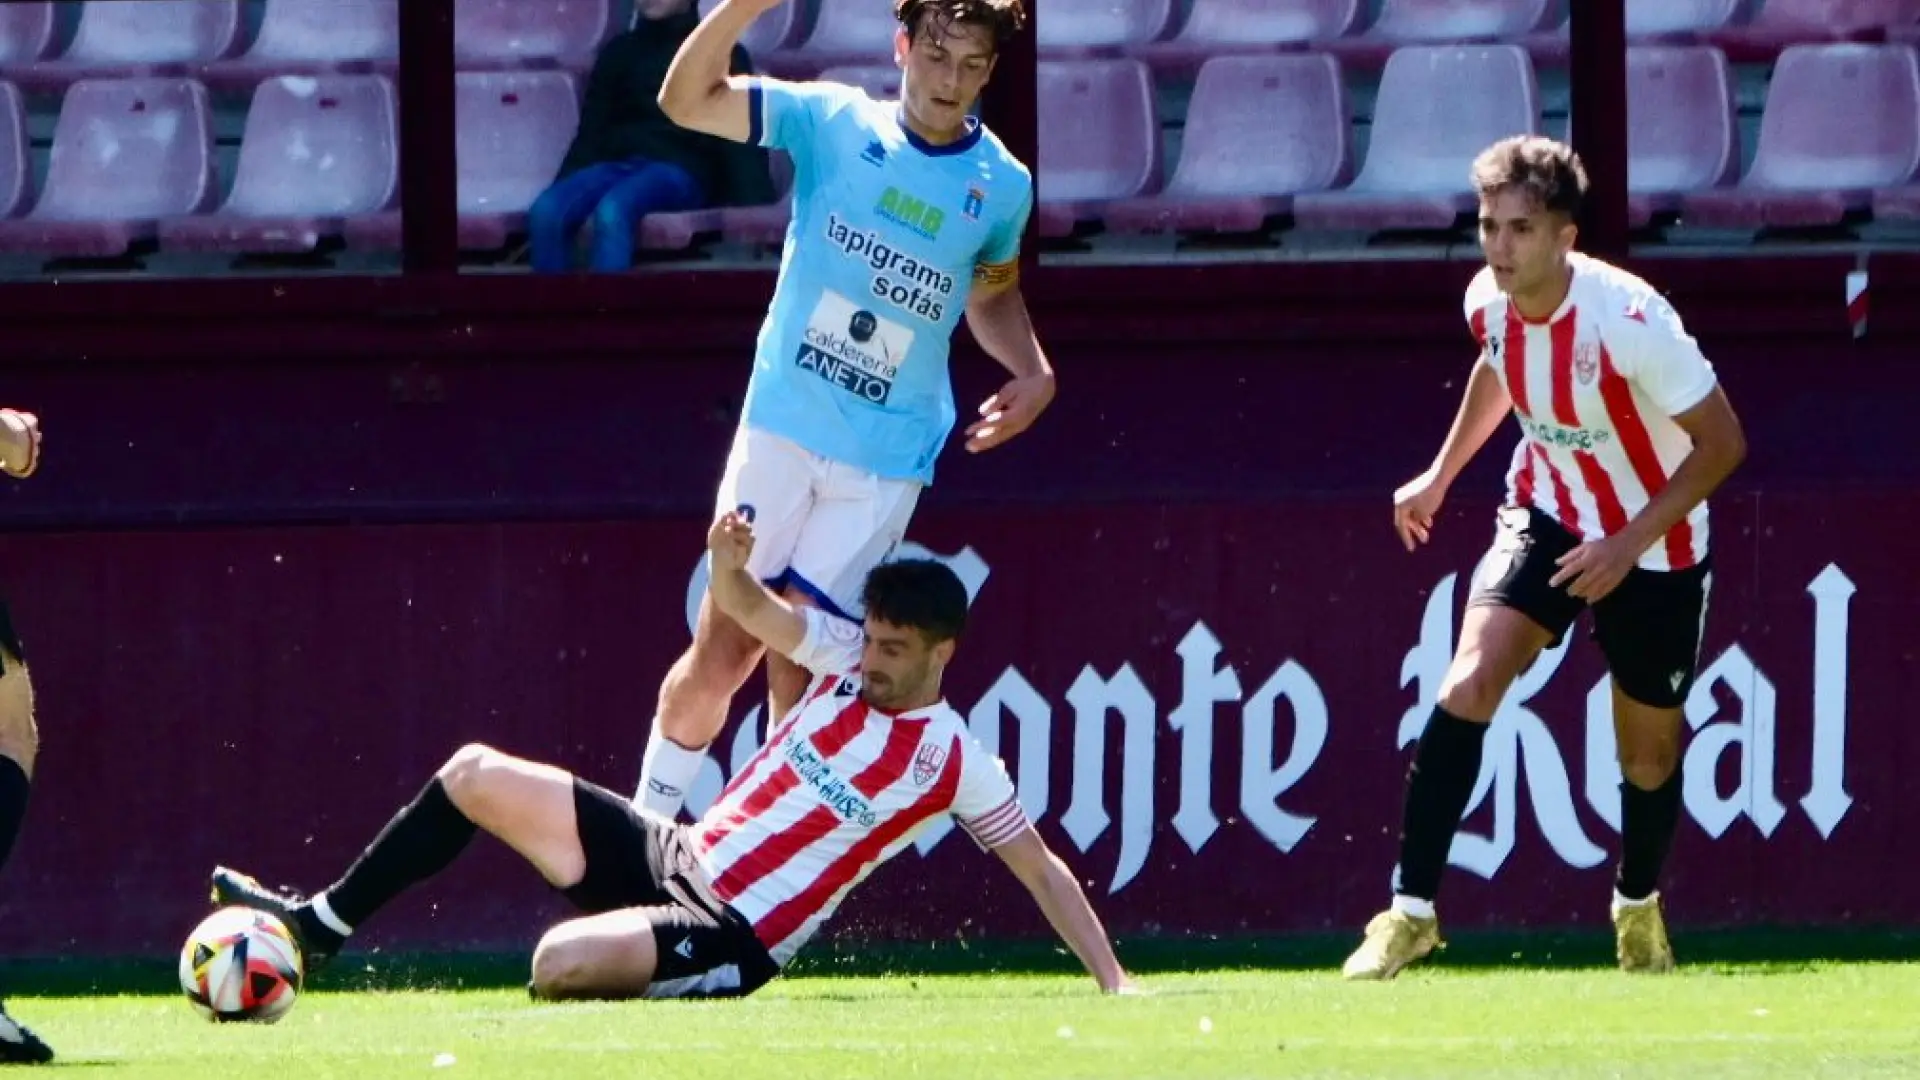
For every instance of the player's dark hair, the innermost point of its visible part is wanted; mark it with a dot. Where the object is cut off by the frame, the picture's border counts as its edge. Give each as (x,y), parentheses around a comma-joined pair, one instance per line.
(921,594)
(1548,171)
(1001,18)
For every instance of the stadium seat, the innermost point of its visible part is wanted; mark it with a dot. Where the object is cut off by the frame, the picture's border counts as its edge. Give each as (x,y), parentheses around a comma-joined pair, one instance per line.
(1900,204)
(1840,121)
(316,151)
(26,32)
(152,38)
(1438,106)
(1099,139)
(1412,22)
(1781,23)
(774,30)
(1259,129)
(514,33)
(314,37)
(844,32)
(126,153)
(1080,27)
(762,225)
(881,82)
(1682,132)
(511,131)
(16,167)
(1222,27)
(1662,18)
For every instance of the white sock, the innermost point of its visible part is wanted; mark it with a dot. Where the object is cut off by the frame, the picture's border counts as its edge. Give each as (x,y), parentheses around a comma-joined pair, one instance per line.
(667,770)
(323,910)
(1620,902)
(1413,907)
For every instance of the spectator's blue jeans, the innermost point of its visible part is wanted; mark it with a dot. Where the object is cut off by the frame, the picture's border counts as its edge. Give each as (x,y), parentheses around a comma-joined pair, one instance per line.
(616,195)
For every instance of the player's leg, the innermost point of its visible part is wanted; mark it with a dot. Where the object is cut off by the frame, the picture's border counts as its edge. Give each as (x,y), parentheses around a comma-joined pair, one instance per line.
(1511,615)
(858,520)
(19,746)
(1649,628)
(527,805)
(771,479)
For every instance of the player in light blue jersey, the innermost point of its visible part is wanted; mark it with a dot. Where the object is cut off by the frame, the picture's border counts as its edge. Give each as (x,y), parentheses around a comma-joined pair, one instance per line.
(906,215)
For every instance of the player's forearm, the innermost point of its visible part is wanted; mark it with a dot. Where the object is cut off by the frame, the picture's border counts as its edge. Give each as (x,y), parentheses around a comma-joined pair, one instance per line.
(1001,324)
(740,598)
(701,69)
(1702,472)
(1482,408)
(1066,907)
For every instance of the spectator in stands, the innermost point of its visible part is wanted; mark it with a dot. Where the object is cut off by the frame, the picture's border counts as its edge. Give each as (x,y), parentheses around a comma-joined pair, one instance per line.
(628,160)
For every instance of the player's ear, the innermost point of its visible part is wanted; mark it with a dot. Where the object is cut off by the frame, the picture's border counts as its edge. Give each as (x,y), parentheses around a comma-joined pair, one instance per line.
(902,45)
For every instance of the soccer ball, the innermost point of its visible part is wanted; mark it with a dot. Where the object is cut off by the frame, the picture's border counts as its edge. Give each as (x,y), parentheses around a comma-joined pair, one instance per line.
(240,964)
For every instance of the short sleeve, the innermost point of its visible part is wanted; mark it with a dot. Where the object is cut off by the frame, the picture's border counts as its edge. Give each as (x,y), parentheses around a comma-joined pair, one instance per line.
(1661,358)
(832,644)
(1003,243)
(985,804)
(786,115)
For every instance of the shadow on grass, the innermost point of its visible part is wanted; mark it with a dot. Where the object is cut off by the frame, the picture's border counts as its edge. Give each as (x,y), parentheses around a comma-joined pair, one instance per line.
(1757,950)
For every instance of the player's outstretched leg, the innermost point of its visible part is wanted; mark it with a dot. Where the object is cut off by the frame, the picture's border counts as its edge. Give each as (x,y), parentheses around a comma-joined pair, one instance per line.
(527,805)
(693,708)
(19,747)
(1496,645)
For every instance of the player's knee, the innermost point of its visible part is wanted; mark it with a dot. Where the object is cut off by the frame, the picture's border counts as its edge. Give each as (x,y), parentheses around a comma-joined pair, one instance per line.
(569,966)
(466,774)
(1472,691)
(1648,764)
(19,732)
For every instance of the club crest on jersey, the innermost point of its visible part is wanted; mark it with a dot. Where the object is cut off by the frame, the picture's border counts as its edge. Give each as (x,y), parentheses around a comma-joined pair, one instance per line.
(976,201)
(927,763)
(1586,362)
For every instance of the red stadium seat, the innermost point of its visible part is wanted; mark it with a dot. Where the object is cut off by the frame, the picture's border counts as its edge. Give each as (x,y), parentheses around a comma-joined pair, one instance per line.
(1414,22)
(763,225)
(315,37)
(26,32)
(774,30)
(1259,130)
(1780,23)
(16,167)
(1660,18)
(1099,139)
(1075,27)
(1223,27)
(1438,106)
(1840,121)
(126,153)
(844,32)
(510,33)
(147,37)
(316,151)
(881,82)
(1682,133)
(511,131)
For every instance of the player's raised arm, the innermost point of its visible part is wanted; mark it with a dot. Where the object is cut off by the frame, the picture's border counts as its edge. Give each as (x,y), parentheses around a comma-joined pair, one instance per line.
(700,92)
(819,641)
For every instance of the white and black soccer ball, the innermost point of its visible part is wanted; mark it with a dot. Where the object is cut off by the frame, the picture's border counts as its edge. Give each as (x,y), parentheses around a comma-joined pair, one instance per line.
(240,964)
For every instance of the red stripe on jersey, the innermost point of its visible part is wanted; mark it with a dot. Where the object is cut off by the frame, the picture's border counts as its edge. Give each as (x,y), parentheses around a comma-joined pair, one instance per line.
(1516,335)
(793,717)
(1477,322)
(1638,444)
(1523,473)
(1565,511)
(773,852)
(1560,366)
(793,912)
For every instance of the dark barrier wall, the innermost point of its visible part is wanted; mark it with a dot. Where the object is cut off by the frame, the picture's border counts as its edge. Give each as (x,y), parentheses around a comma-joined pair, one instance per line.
(267,592)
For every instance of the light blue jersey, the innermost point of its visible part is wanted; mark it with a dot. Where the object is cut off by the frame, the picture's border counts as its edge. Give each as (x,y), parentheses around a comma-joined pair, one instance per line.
(887,231)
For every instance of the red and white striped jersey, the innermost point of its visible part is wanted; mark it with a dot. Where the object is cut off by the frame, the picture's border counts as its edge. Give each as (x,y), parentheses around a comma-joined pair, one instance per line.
(839,788)
(1595,388)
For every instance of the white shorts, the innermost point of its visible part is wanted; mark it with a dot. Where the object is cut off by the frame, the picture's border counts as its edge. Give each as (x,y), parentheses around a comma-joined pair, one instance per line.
(818,525)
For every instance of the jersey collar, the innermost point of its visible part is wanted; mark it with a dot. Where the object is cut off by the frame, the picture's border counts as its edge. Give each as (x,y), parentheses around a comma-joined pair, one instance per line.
(958,146)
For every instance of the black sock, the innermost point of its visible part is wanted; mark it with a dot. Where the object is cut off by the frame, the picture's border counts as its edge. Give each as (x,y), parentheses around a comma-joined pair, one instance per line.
(14,786)
(1439,783)
(422,839)
(1647,823)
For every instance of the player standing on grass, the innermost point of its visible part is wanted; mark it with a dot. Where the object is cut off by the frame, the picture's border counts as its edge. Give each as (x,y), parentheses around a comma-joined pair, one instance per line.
(1625,433)
(904,216)
(717,908)
(19,736)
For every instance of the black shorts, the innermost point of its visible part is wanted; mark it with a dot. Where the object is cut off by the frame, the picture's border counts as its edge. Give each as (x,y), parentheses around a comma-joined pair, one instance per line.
(1648,628)
(635,860)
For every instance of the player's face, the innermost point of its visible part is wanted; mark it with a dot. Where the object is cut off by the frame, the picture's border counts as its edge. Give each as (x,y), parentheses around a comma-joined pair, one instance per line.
(1525,244)
(899,668)
(944,66)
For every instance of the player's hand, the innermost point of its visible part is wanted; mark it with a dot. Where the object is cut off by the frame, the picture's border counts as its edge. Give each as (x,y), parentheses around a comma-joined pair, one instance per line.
(730,542)
(1593,570)
(1414,507)
(1010,412)
(19,443)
